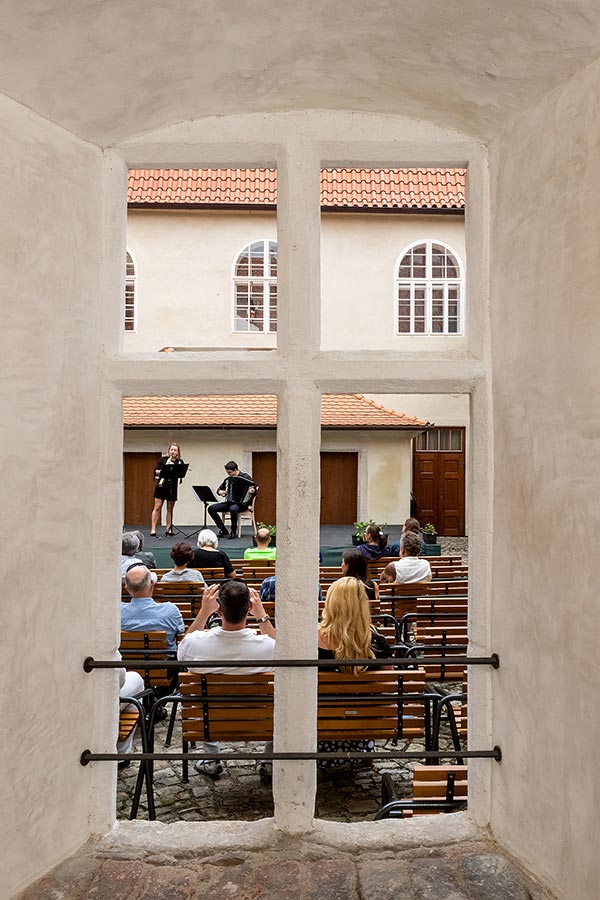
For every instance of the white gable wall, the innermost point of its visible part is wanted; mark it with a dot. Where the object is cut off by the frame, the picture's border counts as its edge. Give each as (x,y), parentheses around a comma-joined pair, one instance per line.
(185,262)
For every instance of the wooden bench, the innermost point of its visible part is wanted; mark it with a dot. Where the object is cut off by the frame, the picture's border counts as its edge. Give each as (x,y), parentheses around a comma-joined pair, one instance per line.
(379,705)
(150,646)
(436,789)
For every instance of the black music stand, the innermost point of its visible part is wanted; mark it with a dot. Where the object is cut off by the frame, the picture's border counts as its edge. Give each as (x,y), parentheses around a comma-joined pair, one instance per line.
(206,495)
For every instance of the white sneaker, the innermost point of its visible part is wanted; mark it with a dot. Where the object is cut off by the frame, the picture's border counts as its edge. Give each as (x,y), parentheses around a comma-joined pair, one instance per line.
(212,767)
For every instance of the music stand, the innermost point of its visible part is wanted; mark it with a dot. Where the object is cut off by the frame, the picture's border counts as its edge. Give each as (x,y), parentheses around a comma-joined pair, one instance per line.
(206,495)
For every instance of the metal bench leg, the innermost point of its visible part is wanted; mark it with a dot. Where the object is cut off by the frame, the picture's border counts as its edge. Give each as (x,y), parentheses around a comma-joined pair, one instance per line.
(172,720)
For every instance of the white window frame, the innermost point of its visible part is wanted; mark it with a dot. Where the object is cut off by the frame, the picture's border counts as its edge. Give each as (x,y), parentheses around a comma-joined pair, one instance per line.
(267,282)
(133,282)
(429,283)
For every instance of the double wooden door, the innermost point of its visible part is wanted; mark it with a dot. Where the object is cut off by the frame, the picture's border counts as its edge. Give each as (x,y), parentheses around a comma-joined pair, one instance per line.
(339,487)
(439,479)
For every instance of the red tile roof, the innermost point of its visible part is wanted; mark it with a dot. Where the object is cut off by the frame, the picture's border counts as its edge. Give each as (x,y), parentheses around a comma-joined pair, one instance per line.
(379,189)
(256,411)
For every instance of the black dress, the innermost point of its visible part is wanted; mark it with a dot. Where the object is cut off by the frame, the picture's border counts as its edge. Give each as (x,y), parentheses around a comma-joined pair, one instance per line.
(168,489)
(382,650)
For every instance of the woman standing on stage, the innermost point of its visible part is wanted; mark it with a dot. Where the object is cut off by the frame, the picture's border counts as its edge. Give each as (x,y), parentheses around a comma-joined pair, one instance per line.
(166,489)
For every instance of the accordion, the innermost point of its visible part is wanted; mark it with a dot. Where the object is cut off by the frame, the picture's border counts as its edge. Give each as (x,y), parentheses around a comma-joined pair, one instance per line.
(240,490)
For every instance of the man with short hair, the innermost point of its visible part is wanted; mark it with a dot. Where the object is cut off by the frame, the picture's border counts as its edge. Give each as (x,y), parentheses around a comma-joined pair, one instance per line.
(142,613)
(409,569)
(232,640)
(262,549)
(238,490)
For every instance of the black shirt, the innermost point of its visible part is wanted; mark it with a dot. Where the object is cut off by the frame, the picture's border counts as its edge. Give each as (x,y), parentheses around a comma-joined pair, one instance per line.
(211,559)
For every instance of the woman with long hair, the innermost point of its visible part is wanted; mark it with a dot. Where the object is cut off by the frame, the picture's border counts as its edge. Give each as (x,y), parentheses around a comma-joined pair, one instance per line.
(346,632)
(166,489)
(375,544)
(354,565)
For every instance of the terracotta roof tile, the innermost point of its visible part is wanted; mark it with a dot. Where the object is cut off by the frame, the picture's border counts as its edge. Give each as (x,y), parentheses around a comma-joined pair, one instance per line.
(340,188)
(256,411)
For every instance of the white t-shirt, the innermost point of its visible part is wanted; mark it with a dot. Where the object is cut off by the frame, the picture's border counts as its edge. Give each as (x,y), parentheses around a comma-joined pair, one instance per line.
(219,644)
(411,569)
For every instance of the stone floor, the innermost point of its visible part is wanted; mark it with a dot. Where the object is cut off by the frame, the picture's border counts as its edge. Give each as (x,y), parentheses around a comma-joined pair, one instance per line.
(108,870)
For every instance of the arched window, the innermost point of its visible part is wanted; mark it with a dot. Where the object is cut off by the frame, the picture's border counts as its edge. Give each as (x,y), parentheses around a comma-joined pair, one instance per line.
(130,289)
(255,288)
(429,290)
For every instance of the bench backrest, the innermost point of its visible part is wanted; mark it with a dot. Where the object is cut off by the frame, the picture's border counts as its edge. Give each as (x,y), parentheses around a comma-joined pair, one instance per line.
(145,645)
(210,716)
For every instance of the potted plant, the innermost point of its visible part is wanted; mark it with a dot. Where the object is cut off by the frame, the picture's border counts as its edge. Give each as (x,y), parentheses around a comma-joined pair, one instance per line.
(359,532)
(429,533)
(272,532)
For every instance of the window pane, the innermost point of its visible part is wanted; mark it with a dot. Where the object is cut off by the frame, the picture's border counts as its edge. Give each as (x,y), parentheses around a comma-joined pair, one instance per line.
(437,326)
(241,269)
(257,259)
(444,440)
(422,441)
(273,259)
(272,307)
(404,324)
(456,439)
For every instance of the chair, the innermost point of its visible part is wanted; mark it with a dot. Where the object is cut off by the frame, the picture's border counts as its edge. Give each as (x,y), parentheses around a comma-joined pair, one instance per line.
(131,715)
(249,514)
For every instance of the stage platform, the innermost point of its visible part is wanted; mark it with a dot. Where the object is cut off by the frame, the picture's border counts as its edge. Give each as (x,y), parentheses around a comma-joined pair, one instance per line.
(334,539)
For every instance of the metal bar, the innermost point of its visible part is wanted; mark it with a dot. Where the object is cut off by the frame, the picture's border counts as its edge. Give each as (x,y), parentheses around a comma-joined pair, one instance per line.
(87,756)
(90,663)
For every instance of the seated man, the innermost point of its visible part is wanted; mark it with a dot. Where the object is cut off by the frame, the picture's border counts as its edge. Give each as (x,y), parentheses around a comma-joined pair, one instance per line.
(409,569)
(262,549)
(142,613)
(130,543)
(237,490)
(231,640)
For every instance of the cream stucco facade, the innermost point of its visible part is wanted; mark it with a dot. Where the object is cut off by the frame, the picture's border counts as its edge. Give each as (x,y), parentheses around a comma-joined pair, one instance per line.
(384,464)
(185,263)
(510,99)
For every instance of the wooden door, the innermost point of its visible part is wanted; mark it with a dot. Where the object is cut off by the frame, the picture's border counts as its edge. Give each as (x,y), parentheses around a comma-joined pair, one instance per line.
(264,473)
(138,475)
(339,488)
(439,479)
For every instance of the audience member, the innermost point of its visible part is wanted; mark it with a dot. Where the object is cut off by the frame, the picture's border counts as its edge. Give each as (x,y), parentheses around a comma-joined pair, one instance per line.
(267,590)
(346,632)
(354,565)
(229,641)
(262,549)
(408,569)
(142,613)
(410,524)
(144,555)
(182,554)
(375,544)
(208,556)
(129,546)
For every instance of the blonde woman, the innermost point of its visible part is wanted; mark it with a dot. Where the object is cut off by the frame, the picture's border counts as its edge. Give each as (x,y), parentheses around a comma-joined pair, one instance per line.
(346,632)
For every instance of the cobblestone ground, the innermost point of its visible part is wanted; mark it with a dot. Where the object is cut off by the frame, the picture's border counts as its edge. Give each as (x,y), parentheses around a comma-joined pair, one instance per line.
(343,795)
(455,545)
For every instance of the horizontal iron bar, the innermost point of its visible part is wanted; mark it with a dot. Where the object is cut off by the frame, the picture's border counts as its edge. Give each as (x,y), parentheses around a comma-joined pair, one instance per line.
(87,756)
(90,663)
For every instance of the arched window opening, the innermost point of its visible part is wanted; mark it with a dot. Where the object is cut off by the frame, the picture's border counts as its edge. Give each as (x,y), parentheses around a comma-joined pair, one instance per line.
(130,290)
(255,288)
(429,290)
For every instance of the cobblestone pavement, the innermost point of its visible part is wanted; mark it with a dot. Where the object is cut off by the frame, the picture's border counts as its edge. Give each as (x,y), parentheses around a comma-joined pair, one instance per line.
(344,795)
(470,870)
(454,545)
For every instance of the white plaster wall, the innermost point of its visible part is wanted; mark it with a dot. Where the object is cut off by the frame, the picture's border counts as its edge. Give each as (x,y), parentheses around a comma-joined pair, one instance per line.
(185,264)
(50,259)
(185,267)
(545,273)
(359,258)
(384,467)
(443,410)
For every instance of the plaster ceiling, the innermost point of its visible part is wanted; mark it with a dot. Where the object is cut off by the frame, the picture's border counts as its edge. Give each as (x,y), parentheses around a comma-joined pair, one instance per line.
(108,70)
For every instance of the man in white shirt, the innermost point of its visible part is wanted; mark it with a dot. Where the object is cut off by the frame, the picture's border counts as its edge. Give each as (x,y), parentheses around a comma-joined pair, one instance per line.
(232,640)
(409,569)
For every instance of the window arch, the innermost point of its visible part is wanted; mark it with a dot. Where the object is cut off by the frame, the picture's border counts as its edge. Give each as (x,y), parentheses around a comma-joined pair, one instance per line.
(429,290)
(255,288)
(130,293)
